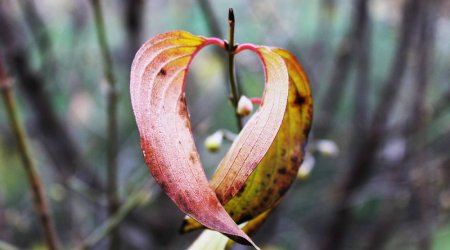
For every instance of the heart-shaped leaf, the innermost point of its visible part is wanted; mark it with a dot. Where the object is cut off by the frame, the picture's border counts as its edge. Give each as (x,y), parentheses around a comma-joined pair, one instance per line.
(157,81)
(277,170)
(157,92)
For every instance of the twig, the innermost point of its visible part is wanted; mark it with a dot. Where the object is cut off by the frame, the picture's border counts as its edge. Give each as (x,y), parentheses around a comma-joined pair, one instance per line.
(335,89)
(39,31)
(34,180)
(134,200)
(317,55)
(54,136)
(353,49)
(133,15)
(234,95)
(363,164)
(211,20)
(420,189)
(112,147)
(361,47)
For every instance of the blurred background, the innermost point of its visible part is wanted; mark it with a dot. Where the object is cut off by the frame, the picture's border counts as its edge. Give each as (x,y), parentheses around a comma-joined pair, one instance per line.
(378,174)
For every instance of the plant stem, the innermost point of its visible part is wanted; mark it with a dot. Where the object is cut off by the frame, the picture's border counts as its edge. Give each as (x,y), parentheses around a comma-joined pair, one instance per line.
(234,95)
(141,196)
(112,148)
(37,189)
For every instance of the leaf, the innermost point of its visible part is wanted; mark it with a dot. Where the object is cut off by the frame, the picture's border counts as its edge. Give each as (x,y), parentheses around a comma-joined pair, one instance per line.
(258,134)
(252,225)
(212,240)
(209,240)
(277,170)
(158,75)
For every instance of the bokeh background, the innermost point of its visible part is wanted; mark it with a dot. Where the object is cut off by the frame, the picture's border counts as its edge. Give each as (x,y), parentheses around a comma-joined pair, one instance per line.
(379,147)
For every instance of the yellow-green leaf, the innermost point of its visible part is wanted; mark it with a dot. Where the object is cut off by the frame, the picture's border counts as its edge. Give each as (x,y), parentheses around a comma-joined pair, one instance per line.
(277,170)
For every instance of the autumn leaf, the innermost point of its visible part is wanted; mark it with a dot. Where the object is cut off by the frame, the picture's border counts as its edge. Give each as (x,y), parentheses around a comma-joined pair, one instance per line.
(270,138)
(277,170)
(158,75)
(258,134)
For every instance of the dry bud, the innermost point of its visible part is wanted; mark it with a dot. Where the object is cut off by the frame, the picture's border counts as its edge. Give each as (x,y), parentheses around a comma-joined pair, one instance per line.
(245,106)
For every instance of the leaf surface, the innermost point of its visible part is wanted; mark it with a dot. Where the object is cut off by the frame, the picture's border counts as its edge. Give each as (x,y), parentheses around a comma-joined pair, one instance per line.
(277,170)
(157,81)
(257,136)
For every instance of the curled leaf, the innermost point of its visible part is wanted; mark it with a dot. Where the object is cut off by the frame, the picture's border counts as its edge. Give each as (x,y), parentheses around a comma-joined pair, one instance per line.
(278,169)
(272,141)
(157,81)
(258,134)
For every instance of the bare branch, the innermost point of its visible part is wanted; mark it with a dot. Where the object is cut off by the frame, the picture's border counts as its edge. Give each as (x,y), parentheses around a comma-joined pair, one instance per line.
(37,189)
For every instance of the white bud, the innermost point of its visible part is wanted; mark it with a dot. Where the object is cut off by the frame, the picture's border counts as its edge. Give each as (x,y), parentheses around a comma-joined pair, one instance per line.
(306,167)
(245,106)
(214,141)
(327,148)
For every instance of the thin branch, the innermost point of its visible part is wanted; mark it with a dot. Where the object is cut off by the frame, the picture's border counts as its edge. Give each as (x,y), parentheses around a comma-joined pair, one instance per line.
(234,95)
(362,47)
(133,16)
(363,164)
(421,191)
(134,200)
(353,49)
(37,189)
(53,134)
(317,54)
(335,89)
(211,19)
(39,31)
(112,131)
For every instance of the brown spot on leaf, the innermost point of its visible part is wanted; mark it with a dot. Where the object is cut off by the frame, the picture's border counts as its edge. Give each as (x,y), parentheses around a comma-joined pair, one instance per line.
(241,190)
(187,124)
(282,170)
(283,190)
(299,100)
(182,107)
(162,72)
(193,157)
(294,159)
(163,186)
